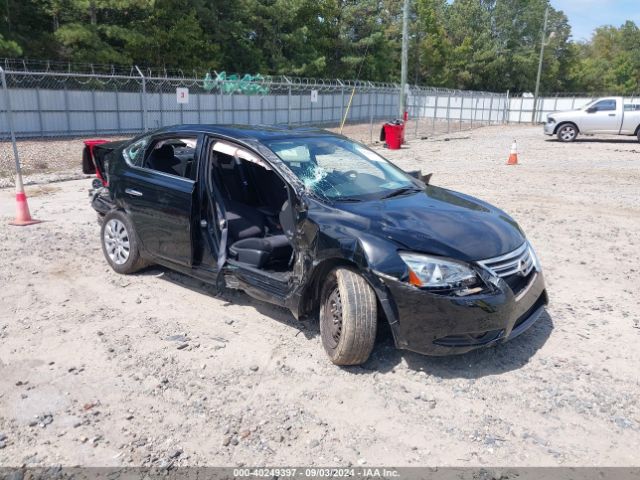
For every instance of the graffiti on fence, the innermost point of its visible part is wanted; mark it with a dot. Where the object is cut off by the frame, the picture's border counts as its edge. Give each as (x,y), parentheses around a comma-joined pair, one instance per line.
(246,85)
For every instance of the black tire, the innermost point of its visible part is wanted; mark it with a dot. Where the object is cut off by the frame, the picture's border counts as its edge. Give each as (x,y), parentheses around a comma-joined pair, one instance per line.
(348,317)
(567,132)
(120,246)
(639,134)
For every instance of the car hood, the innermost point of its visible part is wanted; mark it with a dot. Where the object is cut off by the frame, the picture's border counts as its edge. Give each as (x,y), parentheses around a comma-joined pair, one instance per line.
(564,112)
(439,222)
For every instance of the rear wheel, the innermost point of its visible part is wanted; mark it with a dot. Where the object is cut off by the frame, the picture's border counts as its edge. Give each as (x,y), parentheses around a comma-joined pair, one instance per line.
(120,244)
(639,134)
(567,132)
(348,317)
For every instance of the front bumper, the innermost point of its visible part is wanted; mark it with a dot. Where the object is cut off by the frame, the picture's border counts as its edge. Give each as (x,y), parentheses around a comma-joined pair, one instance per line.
(433,324)
(549,128)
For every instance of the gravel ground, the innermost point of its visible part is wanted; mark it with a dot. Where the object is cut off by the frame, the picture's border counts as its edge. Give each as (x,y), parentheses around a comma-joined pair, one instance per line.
(43,161)
(152,369)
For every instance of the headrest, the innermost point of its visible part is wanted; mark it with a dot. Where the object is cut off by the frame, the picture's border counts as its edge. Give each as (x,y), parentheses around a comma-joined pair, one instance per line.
(165,151)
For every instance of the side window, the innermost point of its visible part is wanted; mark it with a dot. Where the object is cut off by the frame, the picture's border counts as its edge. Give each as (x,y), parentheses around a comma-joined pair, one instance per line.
(605,106)
(244,177)
(231,151)
(173,156)
(134,153)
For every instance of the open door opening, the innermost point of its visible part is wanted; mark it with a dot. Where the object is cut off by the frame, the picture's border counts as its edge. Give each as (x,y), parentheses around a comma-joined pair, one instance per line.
(258,215)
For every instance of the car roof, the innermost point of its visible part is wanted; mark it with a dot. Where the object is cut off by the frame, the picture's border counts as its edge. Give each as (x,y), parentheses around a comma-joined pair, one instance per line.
(257,132)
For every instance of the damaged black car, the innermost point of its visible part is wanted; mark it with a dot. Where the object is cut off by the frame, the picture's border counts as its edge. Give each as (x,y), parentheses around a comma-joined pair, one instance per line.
(320,224)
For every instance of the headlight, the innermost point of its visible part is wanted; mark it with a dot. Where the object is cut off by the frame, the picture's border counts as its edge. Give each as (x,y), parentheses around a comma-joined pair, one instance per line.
(432,272)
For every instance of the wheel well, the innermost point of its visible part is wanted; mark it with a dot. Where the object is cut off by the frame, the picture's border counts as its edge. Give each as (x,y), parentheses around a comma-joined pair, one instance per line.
(566,123)
(311,297)
(310,302)
(121,209)
(637,129)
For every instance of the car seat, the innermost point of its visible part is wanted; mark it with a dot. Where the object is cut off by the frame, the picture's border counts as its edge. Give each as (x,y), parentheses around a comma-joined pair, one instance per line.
(251,244)
(163,160)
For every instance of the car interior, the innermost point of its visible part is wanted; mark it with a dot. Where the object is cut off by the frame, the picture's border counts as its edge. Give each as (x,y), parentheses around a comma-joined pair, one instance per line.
(174,156)
(258,213)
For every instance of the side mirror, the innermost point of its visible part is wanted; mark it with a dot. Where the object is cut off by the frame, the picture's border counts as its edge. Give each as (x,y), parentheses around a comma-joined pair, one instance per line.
(415,174)
(301,205)
(592,110)
(298,202)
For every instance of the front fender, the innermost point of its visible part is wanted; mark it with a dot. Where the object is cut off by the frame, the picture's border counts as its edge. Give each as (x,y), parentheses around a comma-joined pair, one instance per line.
(339,245)
(564,121)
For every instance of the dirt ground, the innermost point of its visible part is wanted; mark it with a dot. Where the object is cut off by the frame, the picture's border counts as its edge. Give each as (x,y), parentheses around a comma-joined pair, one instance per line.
(152,369)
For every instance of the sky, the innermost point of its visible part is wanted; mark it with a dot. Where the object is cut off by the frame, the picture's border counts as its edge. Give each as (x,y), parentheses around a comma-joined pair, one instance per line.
(585,15)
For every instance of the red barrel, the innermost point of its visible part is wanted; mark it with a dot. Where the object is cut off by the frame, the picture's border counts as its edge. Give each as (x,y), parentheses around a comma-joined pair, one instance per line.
(394,134)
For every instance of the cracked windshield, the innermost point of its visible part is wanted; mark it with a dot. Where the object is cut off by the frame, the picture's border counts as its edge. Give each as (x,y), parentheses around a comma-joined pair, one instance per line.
(341,170)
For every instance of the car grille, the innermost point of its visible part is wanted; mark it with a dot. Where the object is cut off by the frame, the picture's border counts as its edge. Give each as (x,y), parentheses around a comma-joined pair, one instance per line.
(515,268)
(518,283)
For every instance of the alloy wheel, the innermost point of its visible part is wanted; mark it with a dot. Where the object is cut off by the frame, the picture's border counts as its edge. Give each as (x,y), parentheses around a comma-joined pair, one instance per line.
(567,133)
(116,241)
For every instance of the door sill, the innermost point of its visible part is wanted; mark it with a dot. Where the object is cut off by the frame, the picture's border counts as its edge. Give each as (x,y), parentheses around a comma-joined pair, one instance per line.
(261,283)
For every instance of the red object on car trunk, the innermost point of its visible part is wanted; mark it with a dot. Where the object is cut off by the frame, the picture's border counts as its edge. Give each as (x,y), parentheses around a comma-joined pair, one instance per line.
(90,145)
(394,134)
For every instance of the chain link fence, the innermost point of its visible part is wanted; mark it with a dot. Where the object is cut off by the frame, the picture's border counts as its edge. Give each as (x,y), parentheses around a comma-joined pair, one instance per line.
(523,109)
(435,111)
(52,108)
(48,103)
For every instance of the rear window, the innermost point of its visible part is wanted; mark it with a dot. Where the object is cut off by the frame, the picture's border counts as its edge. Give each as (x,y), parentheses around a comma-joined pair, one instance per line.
(134,153)
(632,107)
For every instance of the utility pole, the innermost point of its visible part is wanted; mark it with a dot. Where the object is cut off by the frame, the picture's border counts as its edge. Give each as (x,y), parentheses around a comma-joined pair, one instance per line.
(543,42)
(405,58)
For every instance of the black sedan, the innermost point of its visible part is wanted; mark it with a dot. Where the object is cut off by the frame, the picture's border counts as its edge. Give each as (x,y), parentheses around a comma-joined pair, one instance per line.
(315,222)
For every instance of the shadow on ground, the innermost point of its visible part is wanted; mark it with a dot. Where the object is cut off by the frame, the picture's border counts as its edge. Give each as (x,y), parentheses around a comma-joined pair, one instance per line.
(479,363)
(385,357)
(308,328)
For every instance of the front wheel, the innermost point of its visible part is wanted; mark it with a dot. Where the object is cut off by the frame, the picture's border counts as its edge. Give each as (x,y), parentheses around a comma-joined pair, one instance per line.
(567,133)
(120,244)
(348,317)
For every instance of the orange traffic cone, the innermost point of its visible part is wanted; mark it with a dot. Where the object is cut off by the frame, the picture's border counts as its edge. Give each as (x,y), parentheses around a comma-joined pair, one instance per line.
(23,217)
(513,156)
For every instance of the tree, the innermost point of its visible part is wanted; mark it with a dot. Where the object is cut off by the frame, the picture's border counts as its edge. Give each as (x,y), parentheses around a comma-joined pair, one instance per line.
(9,48)
(470,44)
(610,62)
(26,30)
(97,31)
(171,36)
(433,46)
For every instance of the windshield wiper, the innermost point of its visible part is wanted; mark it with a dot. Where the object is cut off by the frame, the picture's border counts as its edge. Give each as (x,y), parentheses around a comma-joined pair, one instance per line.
(347,199)
(402,191)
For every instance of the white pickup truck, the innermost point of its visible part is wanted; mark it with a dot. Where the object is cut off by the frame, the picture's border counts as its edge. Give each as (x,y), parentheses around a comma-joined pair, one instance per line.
(609,115)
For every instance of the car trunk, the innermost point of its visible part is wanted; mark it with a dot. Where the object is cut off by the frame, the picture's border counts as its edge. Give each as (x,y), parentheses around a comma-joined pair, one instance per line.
(93,157)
